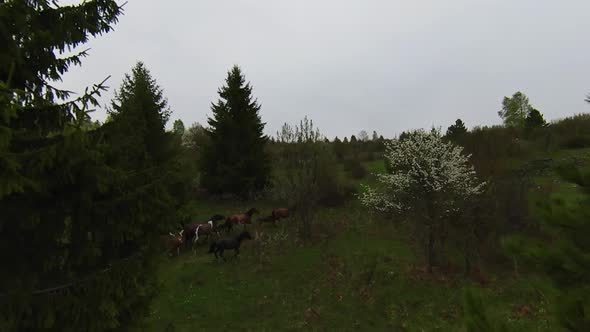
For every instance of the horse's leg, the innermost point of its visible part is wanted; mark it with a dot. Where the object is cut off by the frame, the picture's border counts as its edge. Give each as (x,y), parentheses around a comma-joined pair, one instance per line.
(237,251)
(221,254)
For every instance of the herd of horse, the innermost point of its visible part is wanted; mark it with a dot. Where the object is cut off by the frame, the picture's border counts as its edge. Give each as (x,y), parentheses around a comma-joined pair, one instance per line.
(190,233)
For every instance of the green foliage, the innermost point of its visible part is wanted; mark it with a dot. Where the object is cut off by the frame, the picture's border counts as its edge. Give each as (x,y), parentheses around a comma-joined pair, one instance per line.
(235,160)
(455,133)
(566,227)
(81,204)
(534,120)
(178,128)
(571,132)
(139,115)
(515,110)
(475,316)
(304,172)
(355,168)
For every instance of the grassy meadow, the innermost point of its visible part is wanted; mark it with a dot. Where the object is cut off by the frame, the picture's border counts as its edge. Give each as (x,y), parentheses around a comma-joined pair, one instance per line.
(359,272)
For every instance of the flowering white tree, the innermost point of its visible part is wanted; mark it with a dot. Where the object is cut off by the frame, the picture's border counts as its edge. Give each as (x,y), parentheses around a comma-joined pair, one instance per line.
(427,177)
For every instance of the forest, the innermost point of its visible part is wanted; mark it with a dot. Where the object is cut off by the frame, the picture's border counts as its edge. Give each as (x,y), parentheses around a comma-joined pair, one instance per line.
(125,225)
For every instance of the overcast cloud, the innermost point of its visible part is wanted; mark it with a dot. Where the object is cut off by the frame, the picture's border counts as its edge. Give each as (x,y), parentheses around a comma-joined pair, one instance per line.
(384,65)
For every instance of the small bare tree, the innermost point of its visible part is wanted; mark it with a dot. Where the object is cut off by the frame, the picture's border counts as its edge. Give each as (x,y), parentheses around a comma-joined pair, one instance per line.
(301,152)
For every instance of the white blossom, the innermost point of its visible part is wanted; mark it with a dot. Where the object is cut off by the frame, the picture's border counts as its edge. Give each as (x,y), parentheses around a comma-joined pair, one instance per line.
(422,164)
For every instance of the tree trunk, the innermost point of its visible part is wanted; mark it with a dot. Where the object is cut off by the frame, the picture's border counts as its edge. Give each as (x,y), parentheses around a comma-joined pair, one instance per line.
(430,253)
(467,258)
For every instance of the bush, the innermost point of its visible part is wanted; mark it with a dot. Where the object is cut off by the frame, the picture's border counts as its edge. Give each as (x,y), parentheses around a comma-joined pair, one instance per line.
(572,132)
(575,142)
(305,173)
(355,168)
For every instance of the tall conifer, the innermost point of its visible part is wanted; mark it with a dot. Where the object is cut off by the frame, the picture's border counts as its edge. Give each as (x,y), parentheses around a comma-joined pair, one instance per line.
(235,160)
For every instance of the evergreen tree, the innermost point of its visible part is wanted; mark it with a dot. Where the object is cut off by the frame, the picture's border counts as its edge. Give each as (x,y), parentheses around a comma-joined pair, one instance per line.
(456,132)
(375,136)
(353,139)
(79,221)
(235,160)
(140,113)
(534,119)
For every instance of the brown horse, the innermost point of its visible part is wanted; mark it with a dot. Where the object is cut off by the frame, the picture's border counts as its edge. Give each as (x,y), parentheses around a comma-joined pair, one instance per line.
(276,215)
(242,218)
(173,242)
(280,213)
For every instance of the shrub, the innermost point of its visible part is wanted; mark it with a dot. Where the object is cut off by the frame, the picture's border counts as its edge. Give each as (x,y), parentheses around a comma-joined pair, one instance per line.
(355,168)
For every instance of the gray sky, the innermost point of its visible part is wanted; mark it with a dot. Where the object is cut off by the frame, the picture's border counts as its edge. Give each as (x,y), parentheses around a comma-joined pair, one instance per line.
(349,65)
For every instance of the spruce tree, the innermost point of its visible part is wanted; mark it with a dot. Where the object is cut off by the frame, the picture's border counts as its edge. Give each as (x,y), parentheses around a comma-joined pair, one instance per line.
(534,120)
(456,132)
(234,161)
(139,113)
(79,222)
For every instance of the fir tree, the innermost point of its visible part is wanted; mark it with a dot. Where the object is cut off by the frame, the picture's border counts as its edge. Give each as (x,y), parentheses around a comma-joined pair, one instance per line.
(235,160)
(79,221)
(534,119)
(139,107)
(456,132)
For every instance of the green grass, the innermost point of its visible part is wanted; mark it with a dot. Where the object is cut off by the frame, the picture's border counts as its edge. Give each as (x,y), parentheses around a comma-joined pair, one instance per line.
(358,273)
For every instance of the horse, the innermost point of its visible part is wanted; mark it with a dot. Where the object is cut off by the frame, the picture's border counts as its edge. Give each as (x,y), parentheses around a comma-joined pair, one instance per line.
(276,215)
(174,242)
(242,218)
(191,229)
(280,213)
(228,243)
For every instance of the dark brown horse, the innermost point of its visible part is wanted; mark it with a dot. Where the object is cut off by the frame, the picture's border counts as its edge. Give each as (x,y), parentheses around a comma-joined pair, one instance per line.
(242,218)
(276,215)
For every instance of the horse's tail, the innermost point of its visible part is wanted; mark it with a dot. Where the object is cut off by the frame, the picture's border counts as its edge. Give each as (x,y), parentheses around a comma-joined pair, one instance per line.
(212,248)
